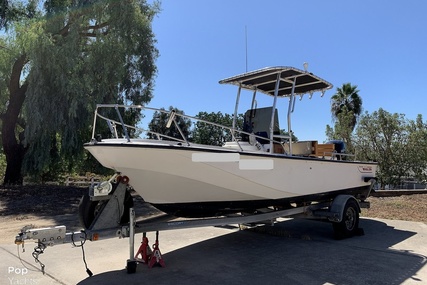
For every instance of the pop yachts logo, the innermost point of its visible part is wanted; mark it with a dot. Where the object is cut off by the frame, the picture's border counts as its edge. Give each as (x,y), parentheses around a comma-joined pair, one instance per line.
(19,276)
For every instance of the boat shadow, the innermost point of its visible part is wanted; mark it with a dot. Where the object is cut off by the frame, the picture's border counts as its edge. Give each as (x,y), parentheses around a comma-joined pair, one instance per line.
(296,252)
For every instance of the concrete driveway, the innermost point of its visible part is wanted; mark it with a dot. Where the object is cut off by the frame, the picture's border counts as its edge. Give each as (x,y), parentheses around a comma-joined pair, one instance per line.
(295,252)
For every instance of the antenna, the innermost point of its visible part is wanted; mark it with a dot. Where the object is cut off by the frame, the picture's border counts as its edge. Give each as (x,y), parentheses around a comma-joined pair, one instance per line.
(246,47)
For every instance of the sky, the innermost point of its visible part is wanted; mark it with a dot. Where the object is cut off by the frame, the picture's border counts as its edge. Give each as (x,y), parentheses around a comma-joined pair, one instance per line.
(380,46)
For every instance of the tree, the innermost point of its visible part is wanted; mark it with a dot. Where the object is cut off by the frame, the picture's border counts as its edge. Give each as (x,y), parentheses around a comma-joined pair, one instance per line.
(158,124)
(346,107)
(342,129)
(283,132)
(347,100)
(209,134)
(397,144)
(416,149)
(13,124)
(12,11)
(68,57)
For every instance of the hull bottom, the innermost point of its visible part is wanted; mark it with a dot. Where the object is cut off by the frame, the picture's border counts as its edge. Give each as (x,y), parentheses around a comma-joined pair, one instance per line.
(212,209)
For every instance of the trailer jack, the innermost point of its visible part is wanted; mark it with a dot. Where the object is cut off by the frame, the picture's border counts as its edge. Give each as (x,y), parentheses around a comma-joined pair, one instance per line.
(150,257)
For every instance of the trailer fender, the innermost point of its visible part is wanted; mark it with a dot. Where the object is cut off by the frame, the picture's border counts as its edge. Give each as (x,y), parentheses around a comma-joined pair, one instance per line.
(338,205)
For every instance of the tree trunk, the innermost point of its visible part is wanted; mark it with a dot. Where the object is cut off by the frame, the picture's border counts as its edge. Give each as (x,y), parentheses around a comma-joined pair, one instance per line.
(14,158)
(12,143)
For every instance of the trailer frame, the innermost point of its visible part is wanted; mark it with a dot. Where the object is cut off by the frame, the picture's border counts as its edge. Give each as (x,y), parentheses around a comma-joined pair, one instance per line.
(106,223)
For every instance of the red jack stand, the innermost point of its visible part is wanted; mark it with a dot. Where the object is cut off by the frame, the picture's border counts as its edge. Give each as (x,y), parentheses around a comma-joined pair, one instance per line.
(144,250)
(156,257)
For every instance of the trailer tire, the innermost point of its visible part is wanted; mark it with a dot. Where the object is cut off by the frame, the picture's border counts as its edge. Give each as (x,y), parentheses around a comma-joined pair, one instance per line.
(349,225)
(128,203)
(87,210)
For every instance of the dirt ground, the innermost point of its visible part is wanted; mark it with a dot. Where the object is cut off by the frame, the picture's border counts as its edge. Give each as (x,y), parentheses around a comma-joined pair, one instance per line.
(37,206)
(45,206)
(406,208)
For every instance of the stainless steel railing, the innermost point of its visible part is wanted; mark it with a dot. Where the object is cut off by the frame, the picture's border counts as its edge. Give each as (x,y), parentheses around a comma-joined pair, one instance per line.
(172,119)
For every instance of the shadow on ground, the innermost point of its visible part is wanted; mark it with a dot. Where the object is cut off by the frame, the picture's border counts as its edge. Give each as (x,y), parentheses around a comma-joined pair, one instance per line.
(301,252)
(40,200)
(294,252)
(48,202)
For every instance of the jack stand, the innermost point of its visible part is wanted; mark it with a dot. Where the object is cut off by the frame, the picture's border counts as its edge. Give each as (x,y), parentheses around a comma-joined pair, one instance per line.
(156,258)
(144,250)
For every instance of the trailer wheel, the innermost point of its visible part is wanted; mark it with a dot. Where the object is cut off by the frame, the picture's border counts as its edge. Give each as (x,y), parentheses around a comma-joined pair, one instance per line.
(128,203)
(349,226)
(88,210)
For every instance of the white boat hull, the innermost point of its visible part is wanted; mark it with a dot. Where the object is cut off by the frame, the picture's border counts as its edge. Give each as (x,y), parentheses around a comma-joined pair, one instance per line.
(168,174)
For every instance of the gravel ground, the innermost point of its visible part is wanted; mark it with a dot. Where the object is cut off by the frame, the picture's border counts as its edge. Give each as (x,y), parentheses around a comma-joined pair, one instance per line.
(45,206)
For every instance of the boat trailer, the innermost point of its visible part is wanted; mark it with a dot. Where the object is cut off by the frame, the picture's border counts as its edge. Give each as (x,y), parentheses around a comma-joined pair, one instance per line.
(107,211)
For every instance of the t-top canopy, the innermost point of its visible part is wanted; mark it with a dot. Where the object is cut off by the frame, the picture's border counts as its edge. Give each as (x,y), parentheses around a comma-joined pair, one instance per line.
(264,80)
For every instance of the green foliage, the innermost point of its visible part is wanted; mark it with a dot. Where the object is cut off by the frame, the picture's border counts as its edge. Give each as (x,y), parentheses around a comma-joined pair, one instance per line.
(79,53)
(346,100)
(201,133)
(342,129)
(330,133)
(346,107)
(158,124)
(417,147)
(399,145)
(210,134)
(283,132)
(9,52)
(12,11)
(69,56)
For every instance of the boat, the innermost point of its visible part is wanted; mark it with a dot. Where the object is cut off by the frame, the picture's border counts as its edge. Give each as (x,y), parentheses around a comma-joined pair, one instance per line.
(258,168)
(257,176)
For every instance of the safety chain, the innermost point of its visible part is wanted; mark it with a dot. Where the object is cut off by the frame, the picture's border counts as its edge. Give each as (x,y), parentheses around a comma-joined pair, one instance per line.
(39,249)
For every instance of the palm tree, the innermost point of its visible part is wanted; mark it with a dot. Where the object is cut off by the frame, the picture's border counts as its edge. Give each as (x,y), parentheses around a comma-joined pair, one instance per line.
(347,99)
